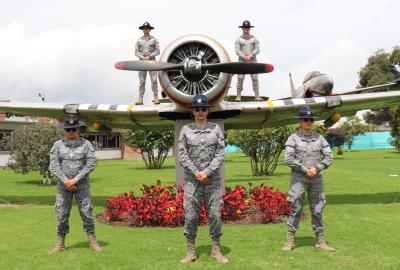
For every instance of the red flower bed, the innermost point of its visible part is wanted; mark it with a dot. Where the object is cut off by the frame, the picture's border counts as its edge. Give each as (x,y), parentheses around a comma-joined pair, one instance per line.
(162,206)
(272,204)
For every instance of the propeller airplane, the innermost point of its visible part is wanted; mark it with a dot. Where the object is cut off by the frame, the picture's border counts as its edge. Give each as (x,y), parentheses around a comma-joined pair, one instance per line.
(197,64)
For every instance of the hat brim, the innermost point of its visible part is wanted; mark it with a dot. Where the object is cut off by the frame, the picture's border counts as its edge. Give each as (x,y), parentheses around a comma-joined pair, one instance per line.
(199,106)
(142,27)
(241,26)
(79,124)
(306,117)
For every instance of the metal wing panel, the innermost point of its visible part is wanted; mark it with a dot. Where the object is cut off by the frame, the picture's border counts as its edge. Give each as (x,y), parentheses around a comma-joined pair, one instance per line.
(283,112)
(122,116)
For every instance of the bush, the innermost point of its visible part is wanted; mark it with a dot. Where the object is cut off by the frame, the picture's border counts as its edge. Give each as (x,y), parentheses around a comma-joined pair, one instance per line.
(153,145)
(30,149)
(262,146)
(163,206)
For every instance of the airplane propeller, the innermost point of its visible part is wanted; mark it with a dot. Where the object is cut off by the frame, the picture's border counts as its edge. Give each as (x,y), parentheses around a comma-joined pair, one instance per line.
(195,66)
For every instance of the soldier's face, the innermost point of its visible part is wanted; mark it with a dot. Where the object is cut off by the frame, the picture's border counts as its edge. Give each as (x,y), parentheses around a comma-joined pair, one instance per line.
(200,113)
(146,31)
(306,124)
(246,30)
(71,133)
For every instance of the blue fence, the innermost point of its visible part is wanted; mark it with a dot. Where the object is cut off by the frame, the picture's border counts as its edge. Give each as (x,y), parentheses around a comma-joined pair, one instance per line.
(371,140)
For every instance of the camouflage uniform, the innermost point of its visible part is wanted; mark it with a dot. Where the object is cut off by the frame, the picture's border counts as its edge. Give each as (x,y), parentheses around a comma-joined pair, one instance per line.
(147,46)
(202,149)
(247,46)
(73,160)
(301,152)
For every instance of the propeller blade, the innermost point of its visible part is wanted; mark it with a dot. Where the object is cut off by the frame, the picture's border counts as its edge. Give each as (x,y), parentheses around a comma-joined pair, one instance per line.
(147,66)
(239,68)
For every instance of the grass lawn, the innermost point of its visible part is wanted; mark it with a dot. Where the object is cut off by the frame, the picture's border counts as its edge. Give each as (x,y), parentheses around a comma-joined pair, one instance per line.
(362,221)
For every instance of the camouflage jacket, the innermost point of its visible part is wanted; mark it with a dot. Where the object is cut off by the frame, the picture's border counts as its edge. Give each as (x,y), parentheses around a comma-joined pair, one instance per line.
(304,151)
(72,159)
(201,149)
(247,46)
(147,46)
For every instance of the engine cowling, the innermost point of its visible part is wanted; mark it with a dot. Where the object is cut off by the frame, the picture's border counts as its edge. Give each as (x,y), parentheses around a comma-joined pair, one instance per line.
(181,86)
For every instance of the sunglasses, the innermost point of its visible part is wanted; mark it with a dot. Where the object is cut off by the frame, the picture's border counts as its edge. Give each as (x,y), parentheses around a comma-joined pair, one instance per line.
(308,119)
(200,109)
(70,129)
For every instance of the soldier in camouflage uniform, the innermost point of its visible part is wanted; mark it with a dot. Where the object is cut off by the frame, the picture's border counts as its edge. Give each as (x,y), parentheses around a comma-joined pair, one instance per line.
(201,154)
(147,48)
(247,47)
(307,153)
(71,161)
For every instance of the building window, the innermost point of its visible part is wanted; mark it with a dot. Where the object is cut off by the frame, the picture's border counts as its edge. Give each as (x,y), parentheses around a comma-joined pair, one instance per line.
(103,141)
(3,134)
(111,141)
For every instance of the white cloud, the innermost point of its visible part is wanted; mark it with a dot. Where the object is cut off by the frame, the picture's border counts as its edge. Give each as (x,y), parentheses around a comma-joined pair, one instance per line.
(43,50)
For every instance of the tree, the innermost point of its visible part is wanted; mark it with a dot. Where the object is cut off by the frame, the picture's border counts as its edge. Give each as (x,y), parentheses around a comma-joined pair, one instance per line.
(263,146)
(30,149)
(153,145)
(382,67)
(353,127)
(336,138)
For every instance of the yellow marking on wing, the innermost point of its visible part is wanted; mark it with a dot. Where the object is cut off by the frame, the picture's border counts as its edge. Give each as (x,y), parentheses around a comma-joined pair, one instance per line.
(130,106)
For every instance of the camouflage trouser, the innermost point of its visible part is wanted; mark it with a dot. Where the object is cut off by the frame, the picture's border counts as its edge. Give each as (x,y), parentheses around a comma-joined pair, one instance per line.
(316,198)
(142,83)
(63,208)
(211,194)
(254,79)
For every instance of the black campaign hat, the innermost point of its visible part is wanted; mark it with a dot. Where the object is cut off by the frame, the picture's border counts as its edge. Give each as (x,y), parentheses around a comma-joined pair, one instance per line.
(146,25)
(305,112)
(246,24)
(71,121)
(200,101)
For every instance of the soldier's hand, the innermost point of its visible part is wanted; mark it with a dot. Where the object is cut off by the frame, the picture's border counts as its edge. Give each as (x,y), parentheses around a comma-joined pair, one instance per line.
(146,58)
(247,58)
(202,177)
(312,172)
(70,185)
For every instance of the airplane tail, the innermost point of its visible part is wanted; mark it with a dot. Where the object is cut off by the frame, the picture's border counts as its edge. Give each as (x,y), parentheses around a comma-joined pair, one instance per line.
(292,86)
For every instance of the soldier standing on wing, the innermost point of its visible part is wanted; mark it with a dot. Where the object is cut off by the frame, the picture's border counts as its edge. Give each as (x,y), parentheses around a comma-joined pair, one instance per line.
(247,47)
(146,49)
(201,153)
(307,153)
(71,161)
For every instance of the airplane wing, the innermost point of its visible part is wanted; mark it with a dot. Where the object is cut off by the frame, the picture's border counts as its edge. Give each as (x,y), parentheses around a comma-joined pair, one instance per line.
(236,115)
(373,89)
(283,112)
(109,115)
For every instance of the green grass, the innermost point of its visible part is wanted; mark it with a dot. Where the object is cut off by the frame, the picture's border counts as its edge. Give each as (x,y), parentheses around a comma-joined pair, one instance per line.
(362,221)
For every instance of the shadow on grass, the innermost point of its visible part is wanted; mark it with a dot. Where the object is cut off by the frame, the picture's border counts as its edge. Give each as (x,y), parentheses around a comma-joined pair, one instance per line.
(206,250)
(246,177)
(371,198)
(38,182)
(85,244)
(144,168)
(305,241)
(48,200)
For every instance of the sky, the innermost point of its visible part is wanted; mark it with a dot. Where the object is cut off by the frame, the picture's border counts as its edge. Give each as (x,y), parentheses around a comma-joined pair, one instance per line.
(66,50)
